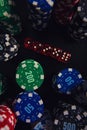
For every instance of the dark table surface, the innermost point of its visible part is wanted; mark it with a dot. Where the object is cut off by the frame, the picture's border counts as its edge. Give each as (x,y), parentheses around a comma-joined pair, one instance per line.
(57,36)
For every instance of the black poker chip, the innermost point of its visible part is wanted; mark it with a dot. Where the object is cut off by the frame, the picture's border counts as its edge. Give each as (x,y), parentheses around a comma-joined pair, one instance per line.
(45,122)
(8,47)
(40,13)
(80,93)
(69,117)
(78,23)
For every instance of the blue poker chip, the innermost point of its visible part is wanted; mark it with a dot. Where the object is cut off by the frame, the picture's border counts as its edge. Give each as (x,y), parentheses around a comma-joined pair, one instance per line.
(28,107)
(44,5)
(66,80)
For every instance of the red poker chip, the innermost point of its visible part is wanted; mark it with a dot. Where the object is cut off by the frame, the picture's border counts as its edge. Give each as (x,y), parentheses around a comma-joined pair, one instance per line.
(64,11)
(7,118)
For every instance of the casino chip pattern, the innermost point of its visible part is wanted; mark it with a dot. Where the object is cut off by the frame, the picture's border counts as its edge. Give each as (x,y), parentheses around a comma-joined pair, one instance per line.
(40,12)
(8,47)
(29,75)
(47,50)
(69,13)
(69,117)
(7,118)
(28,107)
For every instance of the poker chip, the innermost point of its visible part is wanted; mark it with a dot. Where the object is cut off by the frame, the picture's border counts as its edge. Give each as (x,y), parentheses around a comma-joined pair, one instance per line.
(64,11)
(43,4)
(70,117)
(29,75)
(47,50)
(40,13)
(28,107)
(45,122)
(9,19)
(7,118)
(78,24)
(66,80)
(8,47)
(3,84)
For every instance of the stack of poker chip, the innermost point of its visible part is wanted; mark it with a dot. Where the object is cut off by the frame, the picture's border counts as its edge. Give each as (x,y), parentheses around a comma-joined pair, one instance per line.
(29,75)
(45,123)
(28,107)
(78,24)
(8,47)
(9,18)
(3,84)
(7,118)
(64,10)
(40,13)
(69,117)
(67,80)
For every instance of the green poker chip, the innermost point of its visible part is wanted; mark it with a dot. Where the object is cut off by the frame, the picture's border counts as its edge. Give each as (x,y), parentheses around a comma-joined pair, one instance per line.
(9,18)
(6,7)
(29,75)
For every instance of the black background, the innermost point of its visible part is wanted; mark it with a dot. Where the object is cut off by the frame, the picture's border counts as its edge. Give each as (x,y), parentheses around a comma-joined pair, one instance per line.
(55,35)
